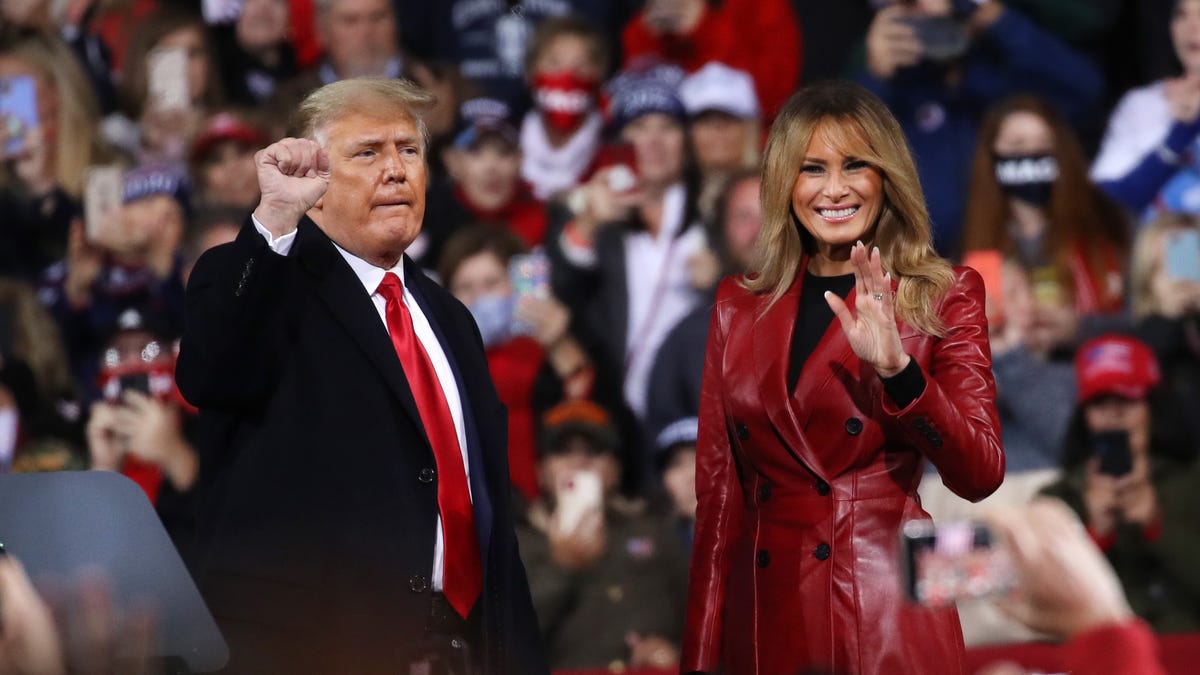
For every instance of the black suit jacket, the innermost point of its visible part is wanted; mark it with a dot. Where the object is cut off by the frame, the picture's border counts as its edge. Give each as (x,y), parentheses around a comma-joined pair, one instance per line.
(319,485)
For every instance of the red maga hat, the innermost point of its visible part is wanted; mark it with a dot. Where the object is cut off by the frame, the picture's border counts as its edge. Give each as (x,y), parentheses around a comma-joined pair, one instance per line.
(1115,364)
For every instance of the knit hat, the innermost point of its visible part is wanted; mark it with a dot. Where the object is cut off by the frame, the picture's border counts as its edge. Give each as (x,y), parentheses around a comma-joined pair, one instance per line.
(582,418)
(643,89)
(1115,364)
(681,432)
(480,118)
(152,179)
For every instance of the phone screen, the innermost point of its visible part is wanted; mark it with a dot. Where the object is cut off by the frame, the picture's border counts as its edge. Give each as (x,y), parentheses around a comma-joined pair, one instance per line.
(530,276)
(18,110)
(1112,448)
(101,202)
(953,561)
(1182,256)
(167,79)
(139,382)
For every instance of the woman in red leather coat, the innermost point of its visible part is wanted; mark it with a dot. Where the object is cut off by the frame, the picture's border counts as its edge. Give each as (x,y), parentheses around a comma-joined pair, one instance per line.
(854,354)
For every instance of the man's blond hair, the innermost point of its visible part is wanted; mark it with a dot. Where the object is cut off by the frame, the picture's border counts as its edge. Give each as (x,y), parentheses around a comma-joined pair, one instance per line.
(378,95)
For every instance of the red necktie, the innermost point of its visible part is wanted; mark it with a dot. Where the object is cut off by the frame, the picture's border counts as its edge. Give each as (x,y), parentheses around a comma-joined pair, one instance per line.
(463,578)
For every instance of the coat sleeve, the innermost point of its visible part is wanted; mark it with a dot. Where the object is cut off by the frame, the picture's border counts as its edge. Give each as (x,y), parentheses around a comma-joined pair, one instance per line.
(954,421)
(234,337)
(719,512)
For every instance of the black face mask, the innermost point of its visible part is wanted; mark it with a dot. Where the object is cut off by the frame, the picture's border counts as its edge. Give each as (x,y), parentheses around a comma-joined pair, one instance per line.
(1027,177)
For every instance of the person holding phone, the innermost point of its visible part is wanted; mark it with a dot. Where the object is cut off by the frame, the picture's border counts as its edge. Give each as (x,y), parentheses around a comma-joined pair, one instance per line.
(607,573)
(1165,301)
(850,356)
(939,64)
(1131,475)
(49,121)
(141,426)
(532,356)
(170,81)
(623,257)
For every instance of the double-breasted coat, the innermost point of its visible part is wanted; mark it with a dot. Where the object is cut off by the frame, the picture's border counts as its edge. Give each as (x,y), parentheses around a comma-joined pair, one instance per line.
(802,495)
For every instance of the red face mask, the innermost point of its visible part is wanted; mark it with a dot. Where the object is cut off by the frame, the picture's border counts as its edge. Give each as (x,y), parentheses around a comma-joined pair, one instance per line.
(565,99)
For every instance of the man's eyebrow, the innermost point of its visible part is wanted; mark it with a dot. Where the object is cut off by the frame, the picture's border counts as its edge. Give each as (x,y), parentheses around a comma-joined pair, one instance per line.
(367,141)
(378,140)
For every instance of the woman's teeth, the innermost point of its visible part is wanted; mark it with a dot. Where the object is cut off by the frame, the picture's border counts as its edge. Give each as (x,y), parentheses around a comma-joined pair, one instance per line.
(838,213)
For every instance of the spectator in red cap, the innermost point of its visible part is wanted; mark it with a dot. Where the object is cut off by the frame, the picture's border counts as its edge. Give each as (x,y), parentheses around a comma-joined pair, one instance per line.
(222,161)
(1129,472)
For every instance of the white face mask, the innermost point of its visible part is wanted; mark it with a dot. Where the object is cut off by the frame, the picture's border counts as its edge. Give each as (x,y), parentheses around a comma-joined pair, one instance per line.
(9,421)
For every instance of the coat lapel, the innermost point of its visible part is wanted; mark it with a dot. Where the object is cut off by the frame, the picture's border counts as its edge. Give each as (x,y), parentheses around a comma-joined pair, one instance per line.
(773,334)
(348,301)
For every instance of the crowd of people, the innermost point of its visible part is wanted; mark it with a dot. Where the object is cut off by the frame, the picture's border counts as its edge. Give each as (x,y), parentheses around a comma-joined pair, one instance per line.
(594,173)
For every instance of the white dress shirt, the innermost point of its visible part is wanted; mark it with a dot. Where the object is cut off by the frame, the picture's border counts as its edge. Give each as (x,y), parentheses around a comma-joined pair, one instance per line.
(660,291)
(370,276)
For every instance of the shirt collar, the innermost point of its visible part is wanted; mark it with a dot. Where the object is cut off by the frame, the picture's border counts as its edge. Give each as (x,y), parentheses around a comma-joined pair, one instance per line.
(369,275)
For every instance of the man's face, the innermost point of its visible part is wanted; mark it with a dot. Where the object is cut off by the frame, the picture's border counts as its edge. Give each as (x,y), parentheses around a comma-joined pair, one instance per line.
(376,197)
(359,36)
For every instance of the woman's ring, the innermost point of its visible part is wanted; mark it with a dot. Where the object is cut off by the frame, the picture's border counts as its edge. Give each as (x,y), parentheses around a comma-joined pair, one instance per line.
(878,297)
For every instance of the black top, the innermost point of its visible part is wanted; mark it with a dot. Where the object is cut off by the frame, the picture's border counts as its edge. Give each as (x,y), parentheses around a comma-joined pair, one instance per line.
(813,319)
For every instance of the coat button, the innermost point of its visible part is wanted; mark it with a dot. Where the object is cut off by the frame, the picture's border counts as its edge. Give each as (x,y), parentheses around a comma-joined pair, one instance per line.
(822,487)
(854,426)
(418,583)
(764,492)
(763,558)
(426,475)
(743,432)
(822,551)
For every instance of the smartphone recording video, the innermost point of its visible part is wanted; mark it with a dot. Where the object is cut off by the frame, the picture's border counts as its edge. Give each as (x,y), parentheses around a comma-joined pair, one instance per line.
(578,494)
(102,202)
(1182,256)
(167,83)
(942,38)
(953,561)
(18,111)
(1112,449)
(530,276)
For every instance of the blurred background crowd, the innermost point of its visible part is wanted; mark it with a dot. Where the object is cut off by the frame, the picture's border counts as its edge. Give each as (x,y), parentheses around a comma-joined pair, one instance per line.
(594,174)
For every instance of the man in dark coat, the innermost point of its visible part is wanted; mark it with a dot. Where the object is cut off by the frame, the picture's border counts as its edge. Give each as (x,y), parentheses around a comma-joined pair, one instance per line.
(356,509)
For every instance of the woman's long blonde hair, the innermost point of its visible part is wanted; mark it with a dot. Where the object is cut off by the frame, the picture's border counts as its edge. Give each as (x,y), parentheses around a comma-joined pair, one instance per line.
(857,123)
(1148,258)
(78,143)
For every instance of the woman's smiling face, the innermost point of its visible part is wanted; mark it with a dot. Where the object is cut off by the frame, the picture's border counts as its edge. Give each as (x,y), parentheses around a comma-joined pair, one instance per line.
(837,196)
